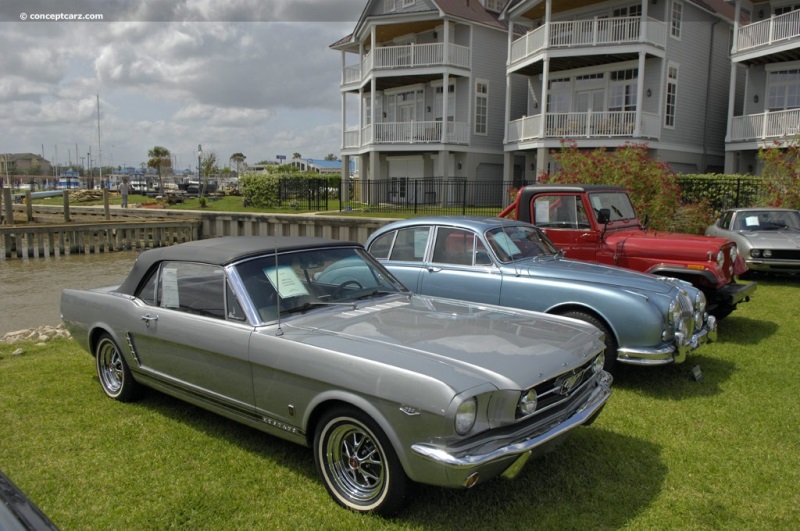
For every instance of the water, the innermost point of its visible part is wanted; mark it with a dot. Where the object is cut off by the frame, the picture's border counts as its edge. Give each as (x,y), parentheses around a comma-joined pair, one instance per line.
(30,289)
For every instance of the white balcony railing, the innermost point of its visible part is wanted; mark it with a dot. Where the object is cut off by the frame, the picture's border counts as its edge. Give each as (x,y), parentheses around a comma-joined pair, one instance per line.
(766,125)
(407,56)
(767,32)
(407,133)
(583,124)
(586,33)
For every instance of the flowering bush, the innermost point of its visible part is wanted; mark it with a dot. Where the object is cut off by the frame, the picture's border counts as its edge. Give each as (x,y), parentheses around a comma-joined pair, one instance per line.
(651,184)
(781,174)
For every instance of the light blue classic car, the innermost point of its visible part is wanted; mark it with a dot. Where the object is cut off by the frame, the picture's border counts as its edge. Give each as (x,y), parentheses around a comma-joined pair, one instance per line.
(647,320)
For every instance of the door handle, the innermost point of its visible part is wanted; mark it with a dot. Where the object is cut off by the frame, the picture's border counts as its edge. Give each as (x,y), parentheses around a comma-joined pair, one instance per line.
(147,318)
(434,269)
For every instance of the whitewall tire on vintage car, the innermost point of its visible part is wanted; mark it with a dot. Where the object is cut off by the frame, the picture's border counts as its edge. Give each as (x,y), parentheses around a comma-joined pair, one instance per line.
(112,370)
(358,464)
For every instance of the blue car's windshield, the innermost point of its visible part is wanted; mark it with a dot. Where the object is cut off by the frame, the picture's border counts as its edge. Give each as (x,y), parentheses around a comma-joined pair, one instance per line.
(299,281)
(517,242)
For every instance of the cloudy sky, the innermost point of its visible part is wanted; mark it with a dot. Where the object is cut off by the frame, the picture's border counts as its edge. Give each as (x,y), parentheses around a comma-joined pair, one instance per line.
(250,76)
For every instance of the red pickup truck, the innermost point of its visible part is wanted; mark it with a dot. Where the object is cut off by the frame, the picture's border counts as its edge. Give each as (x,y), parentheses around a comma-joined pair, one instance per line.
(598,223)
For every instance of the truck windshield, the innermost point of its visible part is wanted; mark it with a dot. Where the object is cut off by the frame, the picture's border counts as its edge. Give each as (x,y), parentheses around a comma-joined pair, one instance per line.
(617,203)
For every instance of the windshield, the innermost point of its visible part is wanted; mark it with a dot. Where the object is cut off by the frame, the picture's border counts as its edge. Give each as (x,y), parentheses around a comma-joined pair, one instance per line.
(617,203)
(300,281)
(516,242)
(768,220)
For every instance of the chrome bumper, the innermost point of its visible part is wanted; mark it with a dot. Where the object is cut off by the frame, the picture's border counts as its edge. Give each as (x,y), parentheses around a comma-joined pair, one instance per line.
(675,353)
(508,460)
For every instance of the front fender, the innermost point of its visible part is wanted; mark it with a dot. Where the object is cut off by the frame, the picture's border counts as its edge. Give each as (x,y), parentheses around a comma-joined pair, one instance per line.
(684,273)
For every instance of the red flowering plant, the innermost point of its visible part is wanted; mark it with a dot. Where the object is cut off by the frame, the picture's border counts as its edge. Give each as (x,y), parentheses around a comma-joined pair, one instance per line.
(651,184)
(781,174)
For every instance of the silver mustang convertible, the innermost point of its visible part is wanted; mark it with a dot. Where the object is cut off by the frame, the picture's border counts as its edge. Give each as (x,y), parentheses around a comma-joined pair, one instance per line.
(312,340)
(646,320)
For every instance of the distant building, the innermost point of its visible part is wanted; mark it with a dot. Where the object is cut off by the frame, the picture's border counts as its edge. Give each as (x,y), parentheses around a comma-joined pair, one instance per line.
(320,166)
(24,163)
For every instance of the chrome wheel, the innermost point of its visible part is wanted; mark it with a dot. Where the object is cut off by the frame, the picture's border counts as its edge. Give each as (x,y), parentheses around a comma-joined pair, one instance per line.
(359,469)
(115,377)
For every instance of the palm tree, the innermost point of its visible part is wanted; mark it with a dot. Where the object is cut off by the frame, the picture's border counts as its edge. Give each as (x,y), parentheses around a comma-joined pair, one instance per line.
(238,159)
(159,158)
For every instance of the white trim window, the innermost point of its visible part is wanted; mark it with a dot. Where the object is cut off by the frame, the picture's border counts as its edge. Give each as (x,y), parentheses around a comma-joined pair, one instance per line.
(671,102)
(623,90)
(389,6)
(495,5)
(676,20)
(481,107)
(558,95)
(783,90)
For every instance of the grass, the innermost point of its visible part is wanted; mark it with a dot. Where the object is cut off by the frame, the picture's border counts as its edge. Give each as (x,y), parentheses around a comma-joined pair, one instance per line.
(666,453)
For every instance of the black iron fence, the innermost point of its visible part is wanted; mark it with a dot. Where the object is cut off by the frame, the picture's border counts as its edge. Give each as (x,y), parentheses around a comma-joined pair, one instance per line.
(434,196)
(721,192)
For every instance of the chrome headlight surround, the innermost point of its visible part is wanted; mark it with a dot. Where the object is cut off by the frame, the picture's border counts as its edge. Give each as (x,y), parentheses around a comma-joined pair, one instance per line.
(720,258)
(767,253)
(527,403)
(466,414)
(755,253)
(700,305)
(674,312)
(733,252)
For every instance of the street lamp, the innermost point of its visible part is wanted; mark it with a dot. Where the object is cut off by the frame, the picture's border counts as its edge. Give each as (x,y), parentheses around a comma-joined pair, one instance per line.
(199,176)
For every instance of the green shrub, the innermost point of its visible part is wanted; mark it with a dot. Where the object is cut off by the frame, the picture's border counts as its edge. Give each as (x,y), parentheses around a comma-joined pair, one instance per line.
(781,174)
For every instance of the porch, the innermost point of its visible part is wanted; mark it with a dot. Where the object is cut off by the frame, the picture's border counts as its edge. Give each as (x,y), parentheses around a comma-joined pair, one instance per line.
(405,57)
(425,132)
(765,125)
(776,31)
(582,34)
(600,124)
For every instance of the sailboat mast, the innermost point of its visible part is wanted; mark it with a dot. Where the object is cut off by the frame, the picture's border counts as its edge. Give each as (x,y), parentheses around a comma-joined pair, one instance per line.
(99,147)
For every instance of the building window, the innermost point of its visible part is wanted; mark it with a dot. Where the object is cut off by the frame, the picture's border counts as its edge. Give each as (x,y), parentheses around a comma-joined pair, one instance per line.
(481,107)
(676,20)
(408,3)
(389,6)
(783,90)
(672,96)
(495,5)
(622,91)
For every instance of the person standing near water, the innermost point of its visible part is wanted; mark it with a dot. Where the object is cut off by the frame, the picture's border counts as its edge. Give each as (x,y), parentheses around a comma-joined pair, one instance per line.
(124,190)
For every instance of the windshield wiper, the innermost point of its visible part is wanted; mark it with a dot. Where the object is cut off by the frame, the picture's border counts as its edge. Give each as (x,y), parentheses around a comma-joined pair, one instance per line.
(375,293)
(311,305)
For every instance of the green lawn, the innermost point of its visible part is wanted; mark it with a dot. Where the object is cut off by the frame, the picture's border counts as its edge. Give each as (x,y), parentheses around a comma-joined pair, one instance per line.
(666,453)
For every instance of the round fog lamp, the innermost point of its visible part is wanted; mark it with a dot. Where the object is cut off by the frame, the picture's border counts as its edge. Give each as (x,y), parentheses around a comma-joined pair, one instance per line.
(527,403)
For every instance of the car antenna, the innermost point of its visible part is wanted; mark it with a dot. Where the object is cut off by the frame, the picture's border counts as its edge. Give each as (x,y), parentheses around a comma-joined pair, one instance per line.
(278,332)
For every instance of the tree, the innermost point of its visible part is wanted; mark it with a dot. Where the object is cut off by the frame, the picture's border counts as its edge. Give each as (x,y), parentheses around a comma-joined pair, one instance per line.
(331,156)
(296,155)
(238,159)
(781,174)
(159,158)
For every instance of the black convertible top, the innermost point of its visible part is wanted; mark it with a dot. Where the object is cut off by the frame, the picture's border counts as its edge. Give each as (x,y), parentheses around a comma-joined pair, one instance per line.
(221,251)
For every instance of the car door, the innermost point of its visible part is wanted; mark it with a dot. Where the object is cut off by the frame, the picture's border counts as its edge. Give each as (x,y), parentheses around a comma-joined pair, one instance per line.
(564,218)
(402,252)
(460,267)
(191,333)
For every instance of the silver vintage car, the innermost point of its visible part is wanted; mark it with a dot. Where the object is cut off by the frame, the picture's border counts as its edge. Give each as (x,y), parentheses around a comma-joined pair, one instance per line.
(312,340)
(646,320)
(767,238)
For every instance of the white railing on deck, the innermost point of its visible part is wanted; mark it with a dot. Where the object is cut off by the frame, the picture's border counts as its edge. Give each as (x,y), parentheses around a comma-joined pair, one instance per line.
(594,32)
(775,124)
(407,133)
(407,56)
(579,124)
(776,29)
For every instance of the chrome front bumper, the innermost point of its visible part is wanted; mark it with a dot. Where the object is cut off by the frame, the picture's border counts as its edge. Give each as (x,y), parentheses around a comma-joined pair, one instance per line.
(467,469)
(675,353)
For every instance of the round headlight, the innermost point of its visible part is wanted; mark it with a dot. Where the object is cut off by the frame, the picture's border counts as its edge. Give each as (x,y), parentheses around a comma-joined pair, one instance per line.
(465,416)
(755,253)
(527,404)
(720,258)
(767,253)
(733,253)
(674,312)
(700,302)
(598,363)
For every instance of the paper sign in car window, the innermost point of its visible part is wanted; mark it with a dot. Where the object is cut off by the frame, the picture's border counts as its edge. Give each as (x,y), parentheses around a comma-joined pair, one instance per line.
(169,288)
(751,221)
(542,211)
(506,243)
(285,281)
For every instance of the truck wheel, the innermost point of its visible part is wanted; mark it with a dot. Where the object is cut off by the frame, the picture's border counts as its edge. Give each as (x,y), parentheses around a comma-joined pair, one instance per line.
(611,342)
(358,464)
(112,370)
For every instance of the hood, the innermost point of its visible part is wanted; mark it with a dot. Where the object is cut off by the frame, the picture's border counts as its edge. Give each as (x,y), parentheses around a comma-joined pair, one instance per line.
(512,349)
(690,247)
(782,239)
(587,272)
